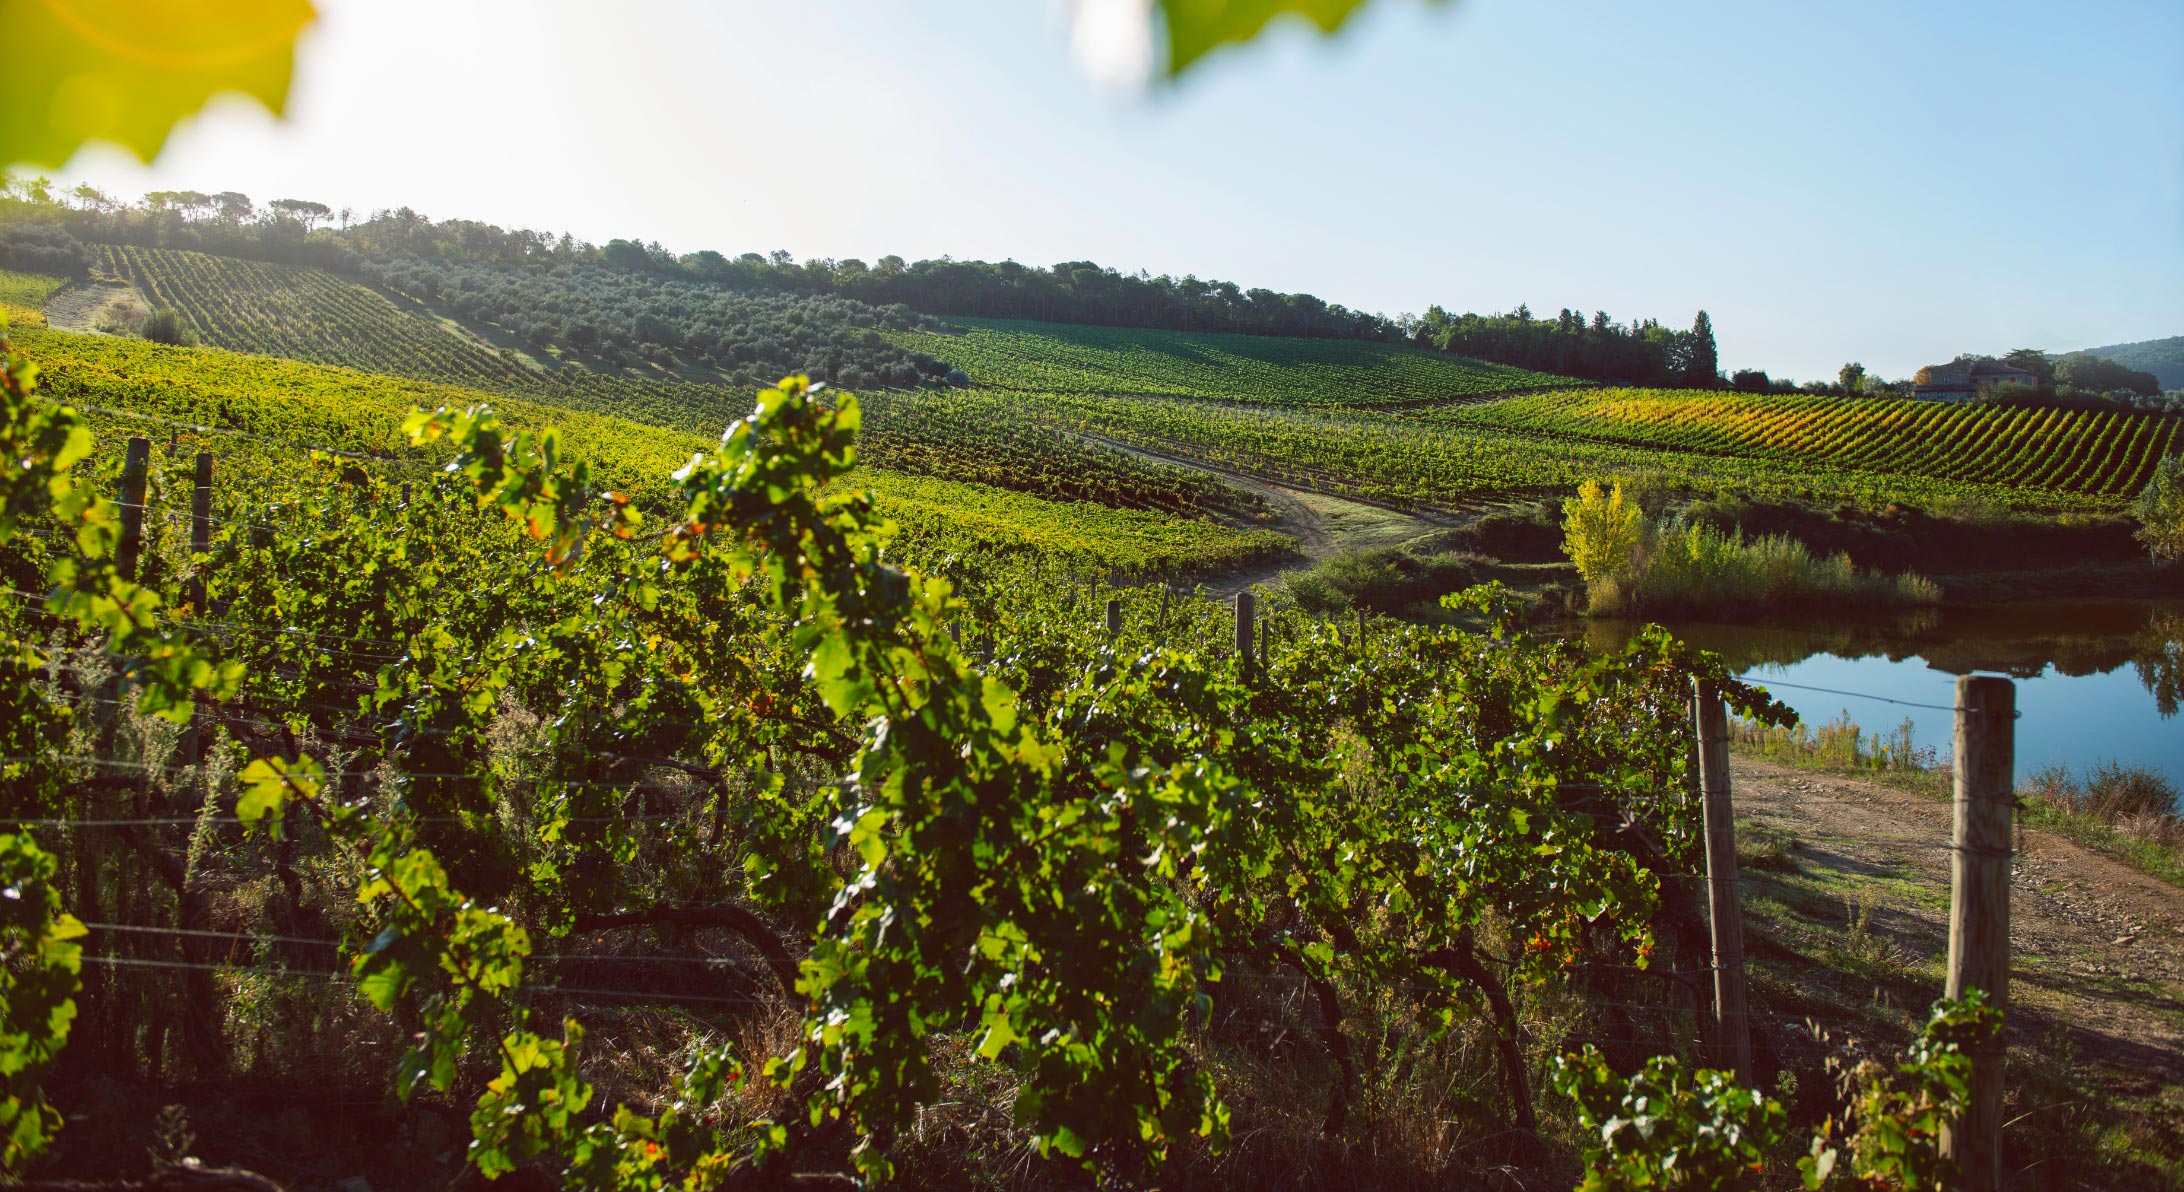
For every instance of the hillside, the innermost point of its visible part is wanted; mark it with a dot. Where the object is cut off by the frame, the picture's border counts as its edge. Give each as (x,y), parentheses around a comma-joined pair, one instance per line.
(2162,357)
(253,410)
(1256,369)
(1048,403)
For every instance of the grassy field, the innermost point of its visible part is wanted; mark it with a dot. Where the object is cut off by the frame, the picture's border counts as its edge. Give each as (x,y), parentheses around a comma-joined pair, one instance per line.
(1260,369)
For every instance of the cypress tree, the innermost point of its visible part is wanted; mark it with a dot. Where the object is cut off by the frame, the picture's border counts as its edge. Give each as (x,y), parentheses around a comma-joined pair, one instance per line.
(1704,367)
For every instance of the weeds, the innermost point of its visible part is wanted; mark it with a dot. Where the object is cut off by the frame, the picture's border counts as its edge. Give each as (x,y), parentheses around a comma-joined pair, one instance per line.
(1762,847)
(2131,813)
(1841,744)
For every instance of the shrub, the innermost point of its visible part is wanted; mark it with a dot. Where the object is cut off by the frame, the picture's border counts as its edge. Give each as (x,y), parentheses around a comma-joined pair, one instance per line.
(39,248)
(165,327)
(1388,580)
(1604,534)
(2160,510)
(1632,563)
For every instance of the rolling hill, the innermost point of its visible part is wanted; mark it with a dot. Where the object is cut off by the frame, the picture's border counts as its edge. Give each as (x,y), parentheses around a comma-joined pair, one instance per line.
(2162,357)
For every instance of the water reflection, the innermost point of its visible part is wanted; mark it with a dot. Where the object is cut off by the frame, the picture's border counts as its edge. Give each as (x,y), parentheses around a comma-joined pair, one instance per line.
(2098,680)
(2160,660)
(2023,641)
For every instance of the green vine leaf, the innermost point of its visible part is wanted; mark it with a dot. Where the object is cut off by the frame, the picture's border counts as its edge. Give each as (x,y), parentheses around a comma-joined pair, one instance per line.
(127,71)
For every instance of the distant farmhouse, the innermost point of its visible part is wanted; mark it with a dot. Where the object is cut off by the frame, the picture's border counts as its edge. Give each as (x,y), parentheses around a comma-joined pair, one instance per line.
(1962,380)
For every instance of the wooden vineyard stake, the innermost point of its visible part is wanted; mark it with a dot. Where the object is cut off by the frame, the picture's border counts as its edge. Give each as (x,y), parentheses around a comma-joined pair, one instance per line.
(200,526)
(1244,612)
(1114,617)
(134,469)
(1979,907)
(1732,1031)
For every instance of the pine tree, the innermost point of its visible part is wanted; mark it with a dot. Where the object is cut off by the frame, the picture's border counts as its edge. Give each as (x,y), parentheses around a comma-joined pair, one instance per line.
(1703,369)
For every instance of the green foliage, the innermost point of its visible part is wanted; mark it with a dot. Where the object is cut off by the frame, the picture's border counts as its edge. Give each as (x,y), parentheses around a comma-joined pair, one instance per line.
(1897,1118)
(1256,369)
(1048,861)
(23,295)
(1605,536)
(41,248)
(1389,580)
(364,414)
(166,327)
(989,439)
(2084,371)
(2160,510)
(37,992)
(1196,27)
(1668,1128)
(1693,565)
(2162,357)
(946,515)
(1664,1128)
(303,314)
(1450,455)
(127,73)
(2030,456)
(1633,563)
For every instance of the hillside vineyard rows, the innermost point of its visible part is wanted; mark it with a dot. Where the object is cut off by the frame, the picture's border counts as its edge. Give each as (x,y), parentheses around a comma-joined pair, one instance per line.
(1439,430)
(2090,453)
(351,411)
(504,745)
(678,808)
(1050,358)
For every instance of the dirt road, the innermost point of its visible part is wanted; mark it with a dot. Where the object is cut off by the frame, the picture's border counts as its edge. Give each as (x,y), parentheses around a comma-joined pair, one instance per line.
(1322,525)
(2097,947)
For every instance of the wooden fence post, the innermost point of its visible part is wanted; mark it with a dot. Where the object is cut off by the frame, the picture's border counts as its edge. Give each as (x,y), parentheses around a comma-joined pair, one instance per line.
(1979,906)
(1114,617)
(134,469)
(200,526)
(1732,1031)
(1244,602)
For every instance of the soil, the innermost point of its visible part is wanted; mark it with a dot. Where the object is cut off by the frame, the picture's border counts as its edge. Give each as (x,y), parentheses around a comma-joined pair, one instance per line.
(1322,524)
(84,307)
(2097,946)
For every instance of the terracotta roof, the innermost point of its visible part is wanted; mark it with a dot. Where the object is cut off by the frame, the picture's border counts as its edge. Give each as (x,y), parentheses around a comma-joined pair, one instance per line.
(1966,374)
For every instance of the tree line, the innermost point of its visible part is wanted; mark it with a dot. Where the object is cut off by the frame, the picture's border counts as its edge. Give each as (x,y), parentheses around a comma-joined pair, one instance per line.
(1642,352)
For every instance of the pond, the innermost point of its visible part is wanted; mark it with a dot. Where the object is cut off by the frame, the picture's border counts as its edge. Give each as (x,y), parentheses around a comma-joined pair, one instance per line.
(2096,680)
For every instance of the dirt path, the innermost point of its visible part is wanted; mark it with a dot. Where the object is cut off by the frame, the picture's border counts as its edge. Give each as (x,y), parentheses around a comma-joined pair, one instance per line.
(97,307)
(1323,525)
(2097,947)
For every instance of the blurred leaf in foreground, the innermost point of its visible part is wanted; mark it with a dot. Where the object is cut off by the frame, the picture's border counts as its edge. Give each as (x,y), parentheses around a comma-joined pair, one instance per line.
(1115,38)
(127,71)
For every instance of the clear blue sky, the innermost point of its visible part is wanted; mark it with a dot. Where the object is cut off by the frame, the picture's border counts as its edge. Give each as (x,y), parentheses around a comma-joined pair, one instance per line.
(1873,179)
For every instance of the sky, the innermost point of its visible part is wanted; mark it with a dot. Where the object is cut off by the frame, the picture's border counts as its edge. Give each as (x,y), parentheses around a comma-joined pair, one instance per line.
(1876,180)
